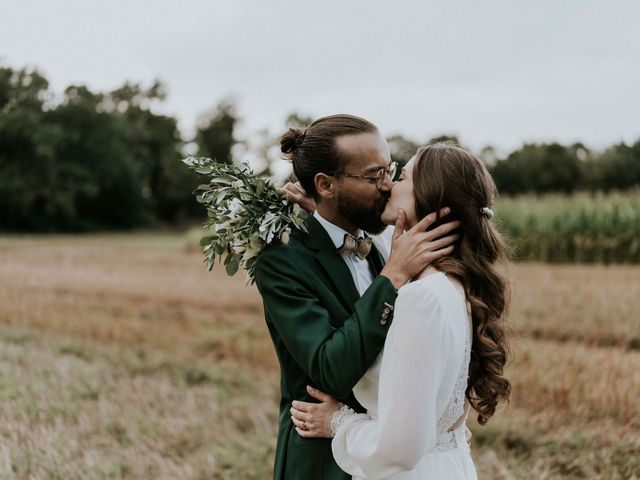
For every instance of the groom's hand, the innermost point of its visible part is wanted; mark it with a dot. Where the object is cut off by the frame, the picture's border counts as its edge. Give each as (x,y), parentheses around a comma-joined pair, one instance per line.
(416,249)
(313,420)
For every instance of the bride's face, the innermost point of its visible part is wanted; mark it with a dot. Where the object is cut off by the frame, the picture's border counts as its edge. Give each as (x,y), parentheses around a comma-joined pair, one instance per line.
(402,197)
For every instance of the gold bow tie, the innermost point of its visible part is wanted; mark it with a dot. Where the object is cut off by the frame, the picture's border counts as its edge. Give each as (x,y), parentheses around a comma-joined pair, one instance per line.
(359,246)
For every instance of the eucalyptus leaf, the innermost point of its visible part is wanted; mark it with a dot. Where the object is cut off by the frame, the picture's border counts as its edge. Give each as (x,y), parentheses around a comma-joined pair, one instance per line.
(224,180)
(232,266)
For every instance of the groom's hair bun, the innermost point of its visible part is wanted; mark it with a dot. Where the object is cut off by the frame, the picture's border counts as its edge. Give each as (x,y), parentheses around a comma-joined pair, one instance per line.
(315,150)
(290,142)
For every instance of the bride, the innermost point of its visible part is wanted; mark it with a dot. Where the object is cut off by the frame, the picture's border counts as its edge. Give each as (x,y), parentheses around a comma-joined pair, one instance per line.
(447,346)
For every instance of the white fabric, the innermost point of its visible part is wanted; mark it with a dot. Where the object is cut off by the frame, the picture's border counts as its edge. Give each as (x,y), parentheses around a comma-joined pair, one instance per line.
(413,393)
(383,242)
(359,268)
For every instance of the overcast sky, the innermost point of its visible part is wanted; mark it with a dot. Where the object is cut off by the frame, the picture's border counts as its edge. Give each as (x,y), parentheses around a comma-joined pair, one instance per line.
(495,72)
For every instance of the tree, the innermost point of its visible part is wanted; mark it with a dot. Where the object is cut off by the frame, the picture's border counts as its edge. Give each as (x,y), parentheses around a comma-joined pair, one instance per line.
(97,165)
(27,150)
(445,138)
(296,120)
(488,155)
(91,161)
(538,168)
(156,143)
(215,133)
(618,167)
(401,149)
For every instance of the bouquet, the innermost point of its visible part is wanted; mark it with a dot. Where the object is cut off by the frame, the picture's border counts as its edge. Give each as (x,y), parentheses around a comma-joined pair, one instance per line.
(245,214)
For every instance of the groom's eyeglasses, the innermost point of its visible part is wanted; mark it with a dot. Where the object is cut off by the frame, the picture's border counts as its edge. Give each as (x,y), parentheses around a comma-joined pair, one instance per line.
(379,178)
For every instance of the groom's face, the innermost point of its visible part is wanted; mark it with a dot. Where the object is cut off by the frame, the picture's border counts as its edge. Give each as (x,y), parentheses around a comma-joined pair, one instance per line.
(358,200)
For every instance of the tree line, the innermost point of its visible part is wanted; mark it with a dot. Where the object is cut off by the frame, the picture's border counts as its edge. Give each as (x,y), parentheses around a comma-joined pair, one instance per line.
(96,160)
(540,168)
(106,160)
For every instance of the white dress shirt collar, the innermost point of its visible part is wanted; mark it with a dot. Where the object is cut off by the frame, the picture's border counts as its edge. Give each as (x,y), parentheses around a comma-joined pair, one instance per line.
(336,233)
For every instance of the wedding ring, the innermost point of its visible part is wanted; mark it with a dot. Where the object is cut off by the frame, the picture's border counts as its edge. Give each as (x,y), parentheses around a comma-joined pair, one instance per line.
(304,426)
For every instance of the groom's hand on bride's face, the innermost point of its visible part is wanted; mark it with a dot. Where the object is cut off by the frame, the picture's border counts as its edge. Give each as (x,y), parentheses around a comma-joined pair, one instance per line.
(414,250)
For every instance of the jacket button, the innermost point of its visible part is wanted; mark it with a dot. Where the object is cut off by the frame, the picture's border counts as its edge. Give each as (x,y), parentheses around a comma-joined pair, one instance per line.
(383,320)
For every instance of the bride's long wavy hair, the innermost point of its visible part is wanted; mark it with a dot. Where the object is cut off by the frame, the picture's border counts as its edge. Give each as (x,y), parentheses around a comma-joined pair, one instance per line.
(445,175)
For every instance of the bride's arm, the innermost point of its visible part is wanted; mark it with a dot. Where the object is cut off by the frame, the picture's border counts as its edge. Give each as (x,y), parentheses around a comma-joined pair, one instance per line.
(411,374)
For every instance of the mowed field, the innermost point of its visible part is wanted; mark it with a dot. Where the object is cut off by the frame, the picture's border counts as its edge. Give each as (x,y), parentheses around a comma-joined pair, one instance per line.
(121,357)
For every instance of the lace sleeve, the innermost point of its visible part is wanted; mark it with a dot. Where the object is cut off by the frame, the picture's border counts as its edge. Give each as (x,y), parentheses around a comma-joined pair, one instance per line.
(338,419)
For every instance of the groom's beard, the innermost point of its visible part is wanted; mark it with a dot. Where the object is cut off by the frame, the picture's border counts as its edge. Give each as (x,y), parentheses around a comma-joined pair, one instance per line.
(364,215)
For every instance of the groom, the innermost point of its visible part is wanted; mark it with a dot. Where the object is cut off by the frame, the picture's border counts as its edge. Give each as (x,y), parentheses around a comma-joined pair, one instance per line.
(328,295)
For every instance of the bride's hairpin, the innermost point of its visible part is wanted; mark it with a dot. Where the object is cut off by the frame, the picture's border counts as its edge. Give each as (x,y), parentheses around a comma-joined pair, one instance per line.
(487,212)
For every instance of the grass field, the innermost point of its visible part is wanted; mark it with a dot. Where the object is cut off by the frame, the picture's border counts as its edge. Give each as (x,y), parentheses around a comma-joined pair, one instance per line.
(121,357)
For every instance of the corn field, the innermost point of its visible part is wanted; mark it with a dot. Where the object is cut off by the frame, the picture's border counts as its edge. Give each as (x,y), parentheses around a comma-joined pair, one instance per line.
(582,228)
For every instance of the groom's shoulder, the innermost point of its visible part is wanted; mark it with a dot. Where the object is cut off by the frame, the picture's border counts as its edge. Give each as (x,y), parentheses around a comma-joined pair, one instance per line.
(281,254)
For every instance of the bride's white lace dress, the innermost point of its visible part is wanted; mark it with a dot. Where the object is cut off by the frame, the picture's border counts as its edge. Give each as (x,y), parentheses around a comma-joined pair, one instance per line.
(414,392)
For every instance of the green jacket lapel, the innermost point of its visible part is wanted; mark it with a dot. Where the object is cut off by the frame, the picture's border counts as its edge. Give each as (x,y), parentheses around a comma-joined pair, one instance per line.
(318,239)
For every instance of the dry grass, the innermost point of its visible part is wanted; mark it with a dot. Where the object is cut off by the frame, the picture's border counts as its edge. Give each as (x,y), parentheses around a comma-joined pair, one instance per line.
(120,357)
(595,304)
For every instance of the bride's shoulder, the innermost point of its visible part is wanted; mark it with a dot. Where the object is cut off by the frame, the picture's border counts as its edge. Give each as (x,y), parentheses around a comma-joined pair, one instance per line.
(423,292)
(433,281)
(420,309)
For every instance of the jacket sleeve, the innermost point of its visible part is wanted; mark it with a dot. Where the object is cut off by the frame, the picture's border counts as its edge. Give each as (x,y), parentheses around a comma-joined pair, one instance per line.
(333,358)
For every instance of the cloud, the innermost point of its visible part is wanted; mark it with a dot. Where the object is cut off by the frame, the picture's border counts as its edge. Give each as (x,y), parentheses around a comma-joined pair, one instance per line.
(496,71)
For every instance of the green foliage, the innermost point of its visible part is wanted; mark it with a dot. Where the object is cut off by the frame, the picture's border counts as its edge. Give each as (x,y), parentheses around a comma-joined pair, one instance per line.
(539,168)
(27,142)
(245,214)
(215,133)
(618,167)
(296,120)
(96,181)
(90,160)
(445,138)
(580,228)
(104,160)
(401,149)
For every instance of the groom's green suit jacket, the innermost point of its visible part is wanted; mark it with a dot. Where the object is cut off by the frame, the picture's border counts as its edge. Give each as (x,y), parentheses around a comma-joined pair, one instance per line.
(324,333)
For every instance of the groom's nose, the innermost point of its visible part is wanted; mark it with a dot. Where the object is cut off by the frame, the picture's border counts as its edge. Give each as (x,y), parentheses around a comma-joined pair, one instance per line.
(387,185)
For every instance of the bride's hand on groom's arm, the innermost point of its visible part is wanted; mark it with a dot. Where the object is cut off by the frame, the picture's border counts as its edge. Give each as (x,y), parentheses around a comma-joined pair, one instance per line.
(414,250)
(313,420)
